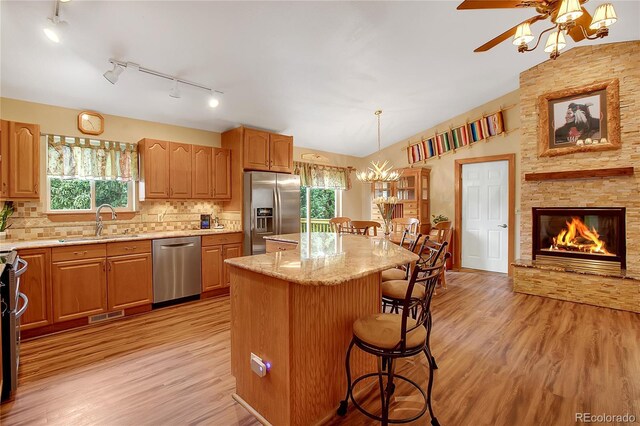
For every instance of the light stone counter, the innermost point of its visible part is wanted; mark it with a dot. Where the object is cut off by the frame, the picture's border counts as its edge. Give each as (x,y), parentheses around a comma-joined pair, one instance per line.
(326,258)
(72,241)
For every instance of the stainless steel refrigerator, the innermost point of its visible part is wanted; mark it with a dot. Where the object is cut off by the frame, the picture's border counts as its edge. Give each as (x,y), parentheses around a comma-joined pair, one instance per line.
(271,207)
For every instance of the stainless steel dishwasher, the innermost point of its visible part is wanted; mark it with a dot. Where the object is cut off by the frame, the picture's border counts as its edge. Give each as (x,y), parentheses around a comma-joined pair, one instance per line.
(176,268)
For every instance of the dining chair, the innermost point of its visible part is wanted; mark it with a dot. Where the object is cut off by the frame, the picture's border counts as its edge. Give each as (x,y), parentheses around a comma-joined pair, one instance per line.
(363,227)
(440,233)
(340,224)
(399,224)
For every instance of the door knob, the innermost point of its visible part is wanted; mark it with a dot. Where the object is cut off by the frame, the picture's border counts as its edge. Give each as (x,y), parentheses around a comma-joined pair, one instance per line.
(504,225)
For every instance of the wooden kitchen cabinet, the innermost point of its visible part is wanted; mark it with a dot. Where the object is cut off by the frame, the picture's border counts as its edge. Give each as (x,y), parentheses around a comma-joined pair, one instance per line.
(256,149)
(35,283)
(79,288)
(19,160)
(201,172)
(179,170)
(129,281)
(280,153)
(212,266)
(154,159)
(221,174)
(230,251)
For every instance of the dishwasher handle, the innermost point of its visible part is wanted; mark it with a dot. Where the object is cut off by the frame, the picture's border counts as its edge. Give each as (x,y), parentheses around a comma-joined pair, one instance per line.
(169,246)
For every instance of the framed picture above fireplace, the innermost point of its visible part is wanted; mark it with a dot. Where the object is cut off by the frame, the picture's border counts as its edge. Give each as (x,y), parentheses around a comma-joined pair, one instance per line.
(579,119)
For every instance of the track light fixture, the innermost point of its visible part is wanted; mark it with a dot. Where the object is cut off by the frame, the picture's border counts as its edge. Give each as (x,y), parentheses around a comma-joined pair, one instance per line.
(119,67)
(55,26)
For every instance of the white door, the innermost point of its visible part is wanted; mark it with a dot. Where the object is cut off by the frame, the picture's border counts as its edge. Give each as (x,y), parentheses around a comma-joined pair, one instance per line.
(485,213)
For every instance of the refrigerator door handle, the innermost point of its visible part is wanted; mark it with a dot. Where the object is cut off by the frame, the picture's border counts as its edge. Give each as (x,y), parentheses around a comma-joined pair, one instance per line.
(279,211)
(276,211)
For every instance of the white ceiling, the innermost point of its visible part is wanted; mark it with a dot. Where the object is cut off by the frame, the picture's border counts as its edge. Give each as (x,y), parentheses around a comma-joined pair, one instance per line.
(316,70)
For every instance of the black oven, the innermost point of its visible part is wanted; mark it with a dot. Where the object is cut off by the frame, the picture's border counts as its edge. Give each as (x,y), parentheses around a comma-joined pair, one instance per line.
(13,305)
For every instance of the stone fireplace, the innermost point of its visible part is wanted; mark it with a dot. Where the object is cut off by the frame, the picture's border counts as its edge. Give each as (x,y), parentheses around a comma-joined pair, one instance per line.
(581,238)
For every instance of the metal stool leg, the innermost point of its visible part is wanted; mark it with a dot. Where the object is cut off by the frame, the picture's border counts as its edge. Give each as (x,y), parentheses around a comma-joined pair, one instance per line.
(432,361)
(342,410)
(434,420)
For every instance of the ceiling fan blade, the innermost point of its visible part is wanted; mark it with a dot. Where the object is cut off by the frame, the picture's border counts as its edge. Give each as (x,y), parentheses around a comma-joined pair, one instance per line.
(585,20)
(505,35)
(496,4)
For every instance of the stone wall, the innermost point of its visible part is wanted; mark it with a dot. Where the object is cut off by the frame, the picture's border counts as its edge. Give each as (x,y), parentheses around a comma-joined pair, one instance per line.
(577,67)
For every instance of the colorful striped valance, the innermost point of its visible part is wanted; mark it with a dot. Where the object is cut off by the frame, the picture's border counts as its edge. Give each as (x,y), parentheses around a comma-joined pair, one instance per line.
(83,158)
(456,138)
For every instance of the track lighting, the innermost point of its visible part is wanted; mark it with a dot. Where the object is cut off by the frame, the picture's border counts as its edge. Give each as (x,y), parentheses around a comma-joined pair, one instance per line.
(175,90)
(55,26)
(113,75)
(119,66)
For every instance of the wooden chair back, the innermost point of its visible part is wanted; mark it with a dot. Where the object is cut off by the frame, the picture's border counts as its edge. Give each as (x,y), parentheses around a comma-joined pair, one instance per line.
(363,227)
(400,224)
(441,232)
(340,224)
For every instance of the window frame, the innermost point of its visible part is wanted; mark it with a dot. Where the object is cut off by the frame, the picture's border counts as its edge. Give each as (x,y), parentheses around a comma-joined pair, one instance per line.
(131,198)
(337,193)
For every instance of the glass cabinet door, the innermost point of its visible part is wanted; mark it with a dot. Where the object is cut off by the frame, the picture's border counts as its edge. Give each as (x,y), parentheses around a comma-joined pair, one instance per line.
(406,188)
(382,189)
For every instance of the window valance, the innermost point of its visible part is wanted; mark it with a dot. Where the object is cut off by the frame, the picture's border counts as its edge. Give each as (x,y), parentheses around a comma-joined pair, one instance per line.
(323,176)
(84,158)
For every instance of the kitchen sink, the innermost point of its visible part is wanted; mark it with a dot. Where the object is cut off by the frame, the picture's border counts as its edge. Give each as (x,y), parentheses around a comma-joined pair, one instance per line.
(96,238)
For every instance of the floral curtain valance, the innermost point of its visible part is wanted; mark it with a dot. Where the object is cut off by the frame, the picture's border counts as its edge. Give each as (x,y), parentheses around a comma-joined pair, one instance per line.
(322,176)
(82,158)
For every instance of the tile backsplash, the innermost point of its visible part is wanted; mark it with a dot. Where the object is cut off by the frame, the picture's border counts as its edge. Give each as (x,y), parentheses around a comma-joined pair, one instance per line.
(30,221)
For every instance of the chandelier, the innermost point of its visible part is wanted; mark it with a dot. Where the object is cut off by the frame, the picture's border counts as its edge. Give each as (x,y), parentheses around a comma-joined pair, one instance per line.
(378,172)
(567,22)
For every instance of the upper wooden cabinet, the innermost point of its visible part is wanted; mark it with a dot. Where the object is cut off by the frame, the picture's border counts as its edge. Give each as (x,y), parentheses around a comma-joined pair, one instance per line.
(256,150)
(281,153)
(19,160)
(154,159)
(179,170)
(201,172)
(183,171)
(221,173)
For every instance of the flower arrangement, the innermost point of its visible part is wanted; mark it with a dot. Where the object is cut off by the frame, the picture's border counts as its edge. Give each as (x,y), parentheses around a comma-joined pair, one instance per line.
(5,213)
(439,218)
(386,205)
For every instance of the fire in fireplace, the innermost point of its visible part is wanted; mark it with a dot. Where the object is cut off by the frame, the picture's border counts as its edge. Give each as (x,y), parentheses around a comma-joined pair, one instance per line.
(580,237)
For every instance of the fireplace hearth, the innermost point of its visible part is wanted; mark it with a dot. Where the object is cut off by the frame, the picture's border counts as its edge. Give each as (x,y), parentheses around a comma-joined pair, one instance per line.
(584,238)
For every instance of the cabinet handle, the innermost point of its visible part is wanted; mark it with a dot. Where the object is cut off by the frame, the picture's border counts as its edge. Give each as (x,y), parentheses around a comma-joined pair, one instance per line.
(282,249)
(80,253)
(109,265)
(104,265)
(131,248)
(35,188)
(170,191)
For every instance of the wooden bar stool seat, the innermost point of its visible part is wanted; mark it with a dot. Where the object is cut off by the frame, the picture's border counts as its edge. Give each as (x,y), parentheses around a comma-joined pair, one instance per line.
(397,289)
(394,274)
(385,330)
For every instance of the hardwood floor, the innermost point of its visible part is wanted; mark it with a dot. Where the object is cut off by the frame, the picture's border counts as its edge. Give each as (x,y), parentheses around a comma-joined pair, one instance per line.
(504,359)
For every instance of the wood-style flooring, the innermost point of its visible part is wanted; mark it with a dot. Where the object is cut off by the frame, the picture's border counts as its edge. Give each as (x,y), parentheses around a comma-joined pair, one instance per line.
(504,358)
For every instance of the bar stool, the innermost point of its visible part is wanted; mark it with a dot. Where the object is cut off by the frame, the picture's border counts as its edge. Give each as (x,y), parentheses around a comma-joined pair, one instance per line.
(402,272)
(393,336)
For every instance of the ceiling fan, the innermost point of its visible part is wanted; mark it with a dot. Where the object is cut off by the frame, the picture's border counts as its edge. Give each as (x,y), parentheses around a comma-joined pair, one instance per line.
(567,17)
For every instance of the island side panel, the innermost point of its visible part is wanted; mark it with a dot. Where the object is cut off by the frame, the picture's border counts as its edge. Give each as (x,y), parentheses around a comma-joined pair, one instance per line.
(260,324)
(322,320)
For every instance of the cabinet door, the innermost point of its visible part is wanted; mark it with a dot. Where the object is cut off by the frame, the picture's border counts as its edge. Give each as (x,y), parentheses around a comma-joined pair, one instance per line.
(281,153)
(230,251)
(221,173)
(156,168)
(79,288)
(180,170)
(24,160)
(256,150)
(201,173)
(211,268)
(4,159)
(129,281)
(35,284)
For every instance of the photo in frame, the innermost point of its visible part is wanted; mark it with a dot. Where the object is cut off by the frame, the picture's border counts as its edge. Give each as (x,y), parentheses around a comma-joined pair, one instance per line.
(579,119)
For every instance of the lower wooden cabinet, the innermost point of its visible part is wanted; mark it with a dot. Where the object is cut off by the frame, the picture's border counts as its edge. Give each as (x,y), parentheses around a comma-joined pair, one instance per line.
(129,281)
(36,285)
(212,263)
(79,288)
(230,251)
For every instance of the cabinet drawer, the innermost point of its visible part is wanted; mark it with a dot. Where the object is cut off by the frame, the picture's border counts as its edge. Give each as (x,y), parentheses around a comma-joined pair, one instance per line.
(410,213)
(275,246)
(410,206)
(212,240)
(128,247)
(89,251)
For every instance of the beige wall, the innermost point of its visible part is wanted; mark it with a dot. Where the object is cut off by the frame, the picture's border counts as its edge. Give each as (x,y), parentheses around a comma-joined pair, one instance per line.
(64,121)
(442,169)
(605,62)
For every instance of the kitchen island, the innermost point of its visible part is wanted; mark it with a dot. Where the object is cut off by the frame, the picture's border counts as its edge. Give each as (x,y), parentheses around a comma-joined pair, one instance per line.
(295,310)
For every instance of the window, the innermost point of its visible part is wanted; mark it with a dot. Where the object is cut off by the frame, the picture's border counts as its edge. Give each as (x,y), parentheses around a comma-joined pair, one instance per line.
(85,194)
(317,206)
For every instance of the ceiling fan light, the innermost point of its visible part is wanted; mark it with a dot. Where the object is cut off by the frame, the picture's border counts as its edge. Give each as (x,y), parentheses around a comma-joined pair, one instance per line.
(555,42)
(569,10)
(523,34)
(604,17)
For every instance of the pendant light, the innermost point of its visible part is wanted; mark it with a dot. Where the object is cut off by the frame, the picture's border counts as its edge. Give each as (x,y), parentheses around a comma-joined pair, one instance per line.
(378,172)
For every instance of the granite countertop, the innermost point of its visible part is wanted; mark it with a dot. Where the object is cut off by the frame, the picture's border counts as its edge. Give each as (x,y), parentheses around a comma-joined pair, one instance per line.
(326,258)
(72,241)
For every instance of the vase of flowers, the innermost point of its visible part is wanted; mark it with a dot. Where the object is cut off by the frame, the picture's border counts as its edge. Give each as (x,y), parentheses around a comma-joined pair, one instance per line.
(386,205)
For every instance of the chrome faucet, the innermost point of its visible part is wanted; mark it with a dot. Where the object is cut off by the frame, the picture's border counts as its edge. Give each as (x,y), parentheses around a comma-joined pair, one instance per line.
(99,225)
